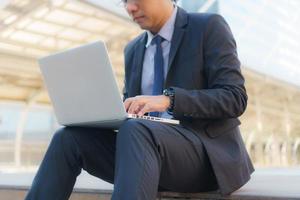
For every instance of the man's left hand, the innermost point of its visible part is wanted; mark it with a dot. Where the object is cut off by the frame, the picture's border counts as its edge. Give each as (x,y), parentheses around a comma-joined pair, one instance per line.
(143,104)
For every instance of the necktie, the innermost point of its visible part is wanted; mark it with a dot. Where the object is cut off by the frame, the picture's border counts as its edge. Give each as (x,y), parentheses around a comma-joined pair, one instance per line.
(158,82)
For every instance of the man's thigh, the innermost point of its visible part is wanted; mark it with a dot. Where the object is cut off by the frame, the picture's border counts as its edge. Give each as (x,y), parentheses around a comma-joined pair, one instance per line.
(96,148)
(185,166)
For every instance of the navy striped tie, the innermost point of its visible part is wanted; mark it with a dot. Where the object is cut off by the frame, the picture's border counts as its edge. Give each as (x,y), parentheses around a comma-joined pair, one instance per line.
(158,82)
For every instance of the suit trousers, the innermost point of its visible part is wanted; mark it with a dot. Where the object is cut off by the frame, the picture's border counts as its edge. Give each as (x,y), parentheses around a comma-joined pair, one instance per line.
(140,158)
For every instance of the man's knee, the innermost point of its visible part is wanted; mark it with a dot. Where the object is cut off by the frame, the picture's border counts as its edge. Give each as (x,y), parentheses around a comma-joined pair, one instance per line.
(132,128)
(60,134)
(63,139)
(129,124)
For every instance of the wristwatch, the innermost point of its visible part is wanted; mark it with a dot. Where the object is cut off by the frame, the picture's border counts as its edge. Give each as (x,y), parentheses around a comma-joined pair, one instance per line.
(170,92)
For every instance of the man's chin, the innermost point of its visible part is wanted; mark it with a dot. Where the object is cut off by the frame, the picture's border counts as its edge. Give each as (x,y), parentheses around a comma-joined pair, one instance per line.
(144,27)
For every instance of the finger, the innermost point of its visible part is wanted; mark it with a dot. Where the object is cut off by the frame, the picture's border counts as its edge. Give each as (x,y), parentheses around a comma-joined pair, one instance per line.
(144,110)
(127,103)
(137,103)
(134,107)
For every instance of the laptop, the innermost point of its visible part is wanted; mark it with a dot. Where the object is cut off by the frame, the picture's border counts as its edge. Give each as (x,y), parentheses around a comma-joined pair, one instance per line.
(83,89)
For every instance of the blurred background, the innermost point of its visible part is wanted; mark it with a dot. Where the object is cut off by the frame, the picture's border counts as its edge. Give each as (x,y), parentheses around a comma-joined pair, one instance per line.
(268,40)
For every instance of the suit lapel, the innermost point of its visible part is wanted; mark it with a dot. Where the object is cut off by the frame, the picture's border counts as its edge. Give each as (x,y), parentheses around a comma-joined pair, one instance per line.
(179,30)
(138,59)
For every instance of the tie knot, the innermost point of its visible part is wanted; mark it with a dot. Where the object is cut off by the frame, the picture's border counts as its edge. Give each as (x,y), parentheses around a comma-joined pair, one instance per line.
(157,40)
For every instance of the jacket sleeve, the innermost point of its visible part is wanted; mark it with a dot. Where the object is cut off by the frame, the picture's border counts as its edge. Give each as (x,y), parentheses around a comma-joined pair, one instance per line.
(225,95)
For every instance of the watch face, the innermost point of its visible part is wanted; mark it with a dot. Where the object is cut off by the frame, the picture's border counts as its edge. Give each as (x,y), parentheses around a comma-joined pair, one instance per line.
(168,92)
(165,92)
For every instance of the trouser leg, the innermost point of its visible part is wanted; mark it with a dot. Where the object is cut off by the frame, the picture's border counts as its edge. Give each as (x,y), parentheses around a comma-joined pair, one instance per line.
(70,150)
(148,155)
(151,154)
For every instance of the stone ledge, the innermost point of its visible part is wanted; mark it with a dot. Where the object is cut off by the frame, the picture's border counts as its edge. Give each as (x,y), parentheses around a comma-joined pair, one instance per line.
(216,196)
(265,184)
(18,193)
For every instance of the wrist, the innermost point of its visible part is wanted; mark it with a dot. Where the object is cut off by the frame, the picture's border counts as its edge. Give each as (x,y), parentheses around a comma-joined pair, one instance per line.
(167,101)
(170,93)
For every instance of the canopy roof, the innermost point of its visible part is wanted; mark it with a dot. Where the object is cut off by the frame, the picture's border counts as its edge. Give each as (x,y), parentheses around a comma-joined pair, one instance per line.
(32,29)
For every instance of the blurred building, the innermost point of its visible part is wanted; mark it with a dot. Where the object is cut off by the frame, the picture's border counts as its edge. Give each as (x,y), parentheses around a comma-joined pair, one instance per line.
(267,35)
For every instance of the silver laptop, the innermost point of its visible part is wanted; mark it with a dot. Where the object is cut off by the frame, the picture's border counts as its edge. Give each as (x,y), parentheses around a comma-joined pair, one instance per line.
(83,89)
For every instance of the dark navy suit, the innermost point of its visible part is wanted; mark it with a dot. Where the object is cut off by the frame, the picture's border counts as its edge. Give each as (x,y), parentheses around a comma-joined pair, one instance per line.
(209,88)
(204,153)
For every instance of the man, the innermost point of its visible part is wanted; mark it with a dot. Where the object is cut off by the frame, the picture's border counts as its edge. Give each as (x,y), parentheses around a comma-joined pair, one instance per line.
(193,58)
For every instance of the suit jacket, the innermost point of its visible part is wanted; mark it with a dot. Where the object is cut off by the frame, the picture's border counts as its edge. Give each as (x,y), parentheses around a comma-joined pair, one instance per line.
(204,71)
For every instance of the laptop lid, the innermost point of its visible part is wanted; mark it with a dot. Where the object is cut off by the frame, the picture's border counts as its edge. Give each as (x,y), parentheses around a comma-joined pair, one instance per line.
(82,86)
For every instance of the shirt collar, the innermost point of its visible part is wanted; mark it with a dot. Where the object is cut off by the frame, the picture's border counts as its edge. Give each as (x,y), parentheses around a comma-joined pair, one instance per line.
(166,31)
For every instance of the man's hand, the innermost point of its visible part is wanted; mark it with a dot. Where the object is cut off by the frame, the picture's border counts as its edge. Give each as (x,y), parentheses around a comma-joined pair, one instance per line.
(142,104)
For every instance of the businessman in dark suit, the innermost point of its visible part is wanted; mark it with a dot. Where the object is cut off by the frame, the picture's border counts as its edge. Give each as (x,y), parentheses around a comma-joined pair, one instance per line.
(184,66)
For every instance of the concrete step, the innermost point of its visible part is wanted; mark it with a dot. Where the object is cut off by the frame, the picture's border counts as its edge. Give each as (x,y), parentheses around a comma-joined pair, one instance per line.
(265,184)
(20,193)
